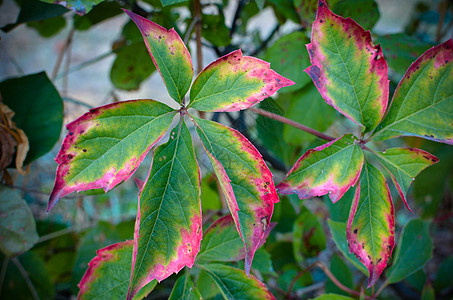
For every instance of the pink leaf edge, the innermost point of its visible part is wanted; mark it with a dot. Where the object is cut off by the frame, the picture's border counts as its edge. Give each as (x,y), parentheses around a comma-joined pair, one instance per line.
(378,63)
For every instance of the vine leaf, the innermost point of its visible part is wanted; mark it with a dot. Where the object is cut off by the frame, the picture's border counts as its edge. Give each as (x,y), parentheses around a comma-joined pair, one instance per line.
(109,273)
(245,180)
(169,54)
(234,82)
(371,223)
(168,228)
(106,145)
(347,68)
(423,101)
(184,289)
(331,169)
(404,164)
(221,241)
(235,284)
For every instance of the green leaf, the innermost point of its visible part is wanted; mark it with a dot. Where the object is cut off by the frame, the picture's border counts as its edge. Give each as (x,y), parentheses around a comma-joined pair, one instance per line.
(428,292)
(404,164)
(16,272)
(48,27)
(106,145)
(170,55)
(332,297)
(168,228)
(414,249)
(331,169)
(184,289)
(245,180)
(338,231)
(80,7)
(105,10)
(17,225)
(348,69)
(423,101)
(371,223)
(215,31)
(171,2)
(234,82)
(235,284)
(38,111)
(131,67)
(221,242)
(108,274)
(401,50)
(308,236)
(443,279)
(341,271)
(306,108)
(285,54)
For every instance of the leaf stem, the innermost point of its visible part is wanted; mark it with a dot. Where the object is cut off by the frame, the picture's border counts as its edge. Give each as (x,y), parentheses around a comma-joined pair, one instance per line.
(332,277)
(293,282)
(3,272)
(27,279)
(291,123)
(380,289)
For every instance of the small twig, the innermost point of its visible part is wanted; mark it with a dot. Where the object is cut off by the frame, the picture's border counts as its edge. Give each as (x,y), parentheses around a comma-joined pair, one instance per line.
(332,277)
(3,272)
(197,16)
(291,123)
(78,102)
(55,234)
(293,282)
(380,289)
(443,5)
(67,65)
(189,30)
(237,14)
(62,53)
(266,41)
(27,279)
(85,64)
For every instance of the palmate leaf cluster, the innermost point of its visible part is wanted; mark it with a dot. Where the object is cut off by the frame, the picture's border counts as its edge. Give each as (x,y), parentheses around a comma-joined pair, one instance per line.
(353,170)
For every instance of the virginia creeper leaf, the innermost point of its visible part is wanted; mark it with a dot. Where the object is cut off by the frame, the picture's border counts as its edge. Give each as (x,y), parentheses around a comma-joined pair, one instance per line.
(17,225)
(245,180)
(168,228)
(169,54)
(184,289)
(414,249)
(234,82)
(331,169)
(285,54)
(221,241)
(106,145)
(347,68)
(338,231)
(235,284)
(423,101)
(308,236)
(371,223)
(108,274)
(404,164)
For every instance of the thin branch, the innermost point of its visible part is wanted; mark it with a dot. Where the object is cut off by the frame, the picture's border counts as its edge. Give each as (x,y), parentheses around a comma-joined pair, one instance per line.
(189,30)
(78,102)
(293,282)
(197,16)
(85,64)
(27,279)
(62,53)
(380,289)
(443,5)
(239,8)
(266,41)
(3,272)
(291,123)
(332,277)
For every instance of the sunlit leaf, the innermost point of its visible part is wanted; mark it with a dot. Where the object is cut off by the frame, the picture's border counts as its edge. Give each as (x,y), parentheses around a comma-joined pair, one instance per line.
(288,58)
(184,289)
(235,284)
(371,223)
(17,224)
(404,164)
(234,82)
(413,250)
(108,274)
(169,54)
(245,181)
(38,110)
(168,228)
(423,101)
(347,68)
(328,169)
(106,145)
